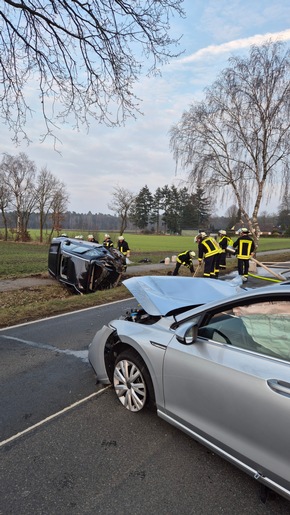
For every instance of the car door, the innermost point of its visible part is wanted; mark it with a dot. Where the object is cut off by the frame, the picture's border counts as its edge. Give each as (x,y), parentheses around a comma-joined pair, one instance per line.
(234,396)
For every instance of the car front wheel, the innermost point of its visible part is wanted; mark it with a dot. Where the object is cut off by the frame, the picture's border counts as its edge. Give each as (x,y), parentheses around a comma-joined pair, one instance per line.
(132,382)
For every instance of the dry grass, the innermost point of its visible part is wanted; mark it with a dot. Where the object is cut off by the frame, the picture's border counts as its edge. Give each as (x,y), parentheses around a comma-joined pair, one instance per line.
(34,303)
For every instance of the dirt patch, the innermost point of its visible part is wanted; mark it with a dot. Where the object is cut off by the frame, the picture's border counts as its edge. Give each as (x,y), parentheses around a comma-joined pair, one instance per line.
(25,282)
(42,280)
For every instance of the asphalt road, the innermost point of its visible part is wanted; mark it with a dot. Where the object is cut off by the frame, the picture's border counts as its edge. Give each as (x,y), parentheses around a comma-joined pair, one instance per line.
(67,446)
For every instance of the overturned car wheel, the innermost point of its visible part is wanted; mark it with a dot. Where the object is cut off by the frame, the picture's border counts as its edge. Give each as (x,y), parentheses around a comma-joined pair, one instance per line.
(132,382)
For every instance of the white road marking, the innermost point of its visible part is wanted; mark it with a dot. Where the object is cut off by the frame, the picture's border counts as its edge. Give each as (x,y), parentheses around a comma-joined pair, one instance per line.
(81,354)
(51,417)
(65,314)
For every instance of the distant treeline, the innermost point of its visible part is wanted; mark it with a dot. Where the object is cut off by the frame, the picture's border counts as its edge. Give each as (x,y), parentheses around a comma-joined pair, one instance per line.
(89,222)
(72,220)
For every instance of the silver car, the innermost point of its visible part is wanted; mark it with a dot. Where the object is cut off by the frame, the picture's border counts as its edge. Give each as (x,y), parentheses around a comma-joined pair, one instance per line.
(214,360)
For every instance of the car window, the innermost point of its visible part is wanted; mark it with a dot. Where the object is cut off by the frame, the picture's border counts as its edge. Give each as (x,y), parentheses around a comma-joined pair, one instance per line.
(262,327)
(269,325)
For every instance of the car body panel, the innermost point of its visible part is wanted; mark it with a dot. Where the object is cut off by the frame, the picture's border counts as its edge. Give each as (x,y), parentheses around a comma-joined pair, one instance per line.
(97,351)
(219,386)
(138,337)
(85,266)
(224,392)
(160,295)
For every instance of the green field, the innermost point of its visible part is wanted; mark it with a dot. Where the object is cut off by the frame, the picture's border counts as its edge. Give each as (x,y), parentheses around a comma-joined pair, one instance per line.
(24,259)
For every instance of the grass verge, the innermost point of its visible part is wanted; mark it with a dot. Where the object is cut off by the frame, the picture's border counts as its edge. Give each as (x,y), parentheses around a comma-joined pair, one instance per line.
(34,303)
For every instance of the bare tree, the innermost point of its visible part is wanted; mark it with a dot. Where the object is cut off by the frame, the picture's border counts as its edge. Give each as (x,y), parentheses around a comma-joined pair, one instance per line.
(5,198)
(19,176)
(58,209)
(122,202)
(47,188)
(84,58)
(238,139)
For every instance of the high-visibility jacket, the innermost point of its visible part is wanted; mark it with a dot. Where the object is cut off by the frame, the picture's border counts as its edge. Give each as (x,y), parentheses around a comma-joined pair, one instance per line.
(245,246)
(208,247)
(184,258)
(123,247)
(224,242)
(108,243)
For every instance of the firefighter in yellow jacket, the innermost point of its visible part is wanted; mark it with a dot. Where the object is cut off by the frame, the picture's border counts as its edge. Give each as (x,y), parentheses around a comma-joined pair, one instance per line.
(184,258)
(224,242)
(209,251)
(245,248)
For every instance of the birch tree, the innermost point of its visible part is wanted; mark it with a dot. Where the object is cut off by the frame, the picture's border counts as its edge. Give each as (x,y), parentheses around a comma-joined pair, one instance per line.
(237,141)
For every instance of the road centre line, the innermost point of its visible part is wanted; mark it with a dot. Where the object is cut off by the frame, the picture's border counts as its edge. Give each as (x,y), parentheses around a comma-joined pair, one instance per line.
(51,417)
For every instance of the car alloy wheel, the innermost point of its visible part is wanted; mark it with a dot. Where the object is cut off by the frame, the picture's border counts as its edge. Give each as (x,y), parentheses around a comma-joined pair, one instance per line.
(131,381)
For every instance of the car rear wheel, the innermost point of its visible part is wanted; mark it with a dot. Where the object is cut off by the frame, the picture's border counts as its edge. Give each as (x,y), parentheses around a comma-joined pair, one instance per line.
(132,382)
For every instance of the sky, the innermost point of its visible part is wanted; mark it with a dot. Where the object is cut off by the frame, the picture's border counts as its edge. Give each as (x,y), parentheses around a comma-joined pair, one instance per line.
(92,164)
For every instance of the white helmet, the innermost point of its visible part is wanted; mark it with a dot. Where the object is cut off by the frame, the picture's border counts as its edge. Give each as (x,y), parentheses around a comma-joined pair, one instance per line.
(107,236)
(191,253)
(199,236)
(222,232)
(121,238)
(244,230)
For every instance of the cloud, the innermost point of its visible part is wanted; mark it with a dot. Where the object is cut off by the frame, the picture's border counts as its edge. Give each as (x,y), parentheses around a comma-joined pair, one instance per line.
(237,44)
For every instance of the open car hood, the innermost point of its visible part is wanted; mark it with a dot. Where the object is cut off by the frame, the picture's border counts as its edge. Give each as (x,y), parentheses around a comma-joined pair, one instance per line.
(162,295)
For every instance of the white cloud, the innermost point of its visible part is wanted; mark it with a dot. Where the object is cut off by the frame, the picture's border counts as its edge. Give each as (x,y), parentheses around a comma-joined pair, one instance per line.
(238,44)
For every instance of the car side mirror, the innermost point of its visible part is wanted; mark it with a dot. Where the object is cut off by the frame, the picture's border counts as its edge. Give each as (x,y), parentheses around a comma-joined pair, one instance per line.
(187,333)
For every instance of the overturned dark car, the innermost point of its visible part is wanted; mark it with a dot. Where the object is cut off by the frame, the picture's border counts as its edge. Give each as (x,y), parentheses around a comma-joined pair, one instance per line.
(85,266)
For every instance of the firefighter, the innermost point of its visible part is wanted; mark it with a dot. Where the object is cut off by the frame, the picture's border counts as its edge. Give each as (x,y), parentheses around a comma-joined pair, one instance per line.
(123,246)
(92,238)
(209,251)
(184,258)
(224,242)
(245,248)
(108,242)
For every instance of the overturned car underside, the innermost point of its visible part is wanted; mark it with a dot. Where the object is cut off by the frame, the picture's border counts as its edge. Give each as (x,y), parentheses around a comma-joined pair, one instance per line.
(85,266)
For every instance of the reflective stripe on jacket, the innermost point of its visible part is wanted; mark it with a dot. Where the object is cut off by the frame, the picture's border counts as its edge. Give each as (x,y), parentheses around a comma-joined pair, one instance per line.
(208,247)
(245,246)
(184,258)
(224,242)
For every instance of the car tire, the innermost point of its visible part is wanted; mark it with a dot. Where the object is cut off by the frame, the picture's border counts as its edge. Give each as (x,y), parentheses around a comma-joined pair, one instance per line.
(132,382)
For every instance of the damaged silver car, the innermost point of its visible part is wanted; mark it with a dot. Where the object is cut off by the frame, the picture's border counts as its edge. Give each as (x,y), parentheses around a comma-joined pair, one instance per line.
(85,266)
(214,360)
